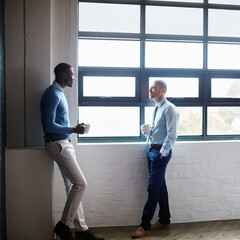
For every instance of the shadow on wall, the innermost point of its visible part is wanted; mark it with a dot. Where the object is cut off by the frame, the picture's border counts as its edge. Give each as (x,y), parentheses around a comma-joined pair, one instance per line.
(2,126)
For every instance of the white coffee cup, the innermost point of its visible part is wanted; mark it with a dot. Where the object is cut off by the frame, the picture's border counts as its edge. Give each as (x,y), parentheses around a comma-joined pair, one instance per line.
(145,128)
(87,126)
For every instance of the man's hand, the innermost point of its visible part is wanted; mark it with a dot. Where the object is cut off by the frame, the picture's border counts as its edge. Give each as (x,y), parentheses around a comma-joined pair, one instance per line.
(161,156)
(79,129)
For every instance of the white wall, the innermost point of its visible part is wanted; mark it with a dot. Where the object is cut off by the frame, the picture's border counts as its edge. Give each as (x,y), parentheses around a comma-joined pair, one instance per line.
(203,181)
(64,46)
(203,177)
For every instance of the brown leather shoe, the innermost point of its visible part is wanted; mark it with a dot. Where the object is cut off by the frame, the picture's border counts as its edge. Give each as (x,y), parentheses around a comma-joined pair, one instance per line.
(158,225)
(139,233)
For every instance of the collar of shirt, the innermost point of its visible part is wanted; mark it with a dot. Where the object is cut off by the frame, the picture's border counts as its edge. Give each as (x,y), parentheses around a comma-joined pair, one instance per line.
(161,102)
(57,85)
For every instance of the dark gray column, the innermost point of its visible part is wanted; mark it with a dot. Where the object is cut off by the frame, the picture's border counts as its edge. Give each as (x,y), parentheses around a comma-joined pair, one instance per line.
(2,126)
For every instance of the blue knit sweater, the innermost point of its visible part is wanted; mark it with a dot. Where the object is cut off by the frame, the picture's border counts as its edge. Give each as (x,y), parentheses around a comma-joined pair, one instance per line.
(54,114)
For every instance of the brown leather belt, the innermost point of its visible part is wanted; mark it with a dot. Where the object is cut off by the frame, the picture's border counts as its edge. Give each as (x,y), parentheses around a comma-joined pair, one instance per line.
(155,146)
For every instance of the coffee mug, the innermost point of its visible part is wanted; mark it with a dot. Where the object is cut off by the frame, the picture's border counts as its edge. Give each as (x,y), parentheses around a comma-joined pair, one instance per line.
(87,126)
(145,128)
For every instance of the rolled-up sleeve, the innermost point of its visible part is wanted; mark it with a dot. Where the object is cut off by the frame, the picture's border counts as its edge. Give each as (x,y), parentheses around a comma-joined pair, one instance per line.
(172,119)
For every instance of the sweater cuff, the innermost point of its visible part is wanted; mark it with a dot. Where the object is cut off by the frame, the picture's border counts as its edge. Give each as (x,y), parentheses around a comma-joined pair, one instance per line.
(70,130)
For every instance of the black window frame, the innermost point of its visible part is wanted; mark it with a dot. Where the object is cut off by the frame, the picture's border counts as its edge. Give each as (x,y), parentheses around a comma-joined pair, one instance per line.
(142,74)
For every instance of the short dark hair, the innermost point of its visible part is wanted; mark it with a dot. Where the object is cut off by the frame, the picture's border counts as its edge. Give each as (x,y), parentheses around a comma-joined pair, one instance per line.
(60,68)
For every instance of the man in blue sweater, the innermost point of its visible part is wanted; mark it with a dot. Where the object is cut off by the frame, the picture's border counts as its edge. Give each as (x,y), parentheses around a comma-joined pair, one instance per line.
(57,132)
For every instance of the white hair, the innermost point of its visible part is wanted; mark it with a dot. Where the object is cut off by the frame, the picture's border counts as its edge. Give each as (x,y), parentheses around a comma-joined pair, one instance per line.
(161,84)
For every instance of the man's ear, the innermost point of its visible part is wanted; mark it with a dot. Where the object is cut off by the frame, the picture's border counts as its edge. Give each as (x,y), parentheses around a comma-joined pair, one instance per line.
(163,90)
(64,75)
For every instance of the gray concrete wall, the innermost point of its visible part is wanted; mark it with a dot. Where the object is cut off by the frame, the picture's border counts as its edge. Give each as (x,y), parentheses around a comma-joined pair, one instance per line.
(28,63)
(29,195)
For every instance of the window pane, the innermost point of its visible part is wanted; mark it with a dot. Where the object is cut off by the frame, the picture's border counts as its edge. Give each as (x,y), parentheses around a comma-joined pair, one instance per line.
(174,55)
(224,23)
(108,86)
(225,88)
(223,56)
(173,20)
(111,121)
(179,87)
(190,120)
(100,17)
(106,53)
(223,120)
(191,1)
(234,2)
(148,115)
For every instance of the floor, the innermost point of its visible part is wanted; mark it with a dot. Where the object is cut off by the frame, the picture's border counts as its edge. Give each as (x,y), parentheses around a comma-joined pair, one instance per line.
(214,230)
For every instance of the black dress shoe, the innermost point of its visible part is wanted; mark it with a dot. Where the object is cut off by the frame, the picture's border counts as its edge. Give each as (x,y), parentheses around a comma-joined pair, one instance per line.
(63,231)
(87,235)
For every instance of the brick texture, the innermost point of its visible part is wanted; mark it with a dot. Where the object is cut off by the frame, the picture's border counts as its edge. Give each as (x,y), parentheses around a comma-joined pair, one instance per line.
(203,181)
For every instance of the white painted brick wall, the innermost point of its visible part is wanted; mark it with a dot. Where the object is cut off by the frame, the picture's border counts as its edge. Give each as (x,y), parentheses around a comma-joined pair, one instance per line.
(203,181)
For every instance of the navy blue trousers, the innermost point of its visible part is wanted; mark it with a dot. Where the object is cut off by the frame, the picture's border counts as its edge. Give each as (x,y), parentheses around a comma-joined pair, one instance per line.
(157,189)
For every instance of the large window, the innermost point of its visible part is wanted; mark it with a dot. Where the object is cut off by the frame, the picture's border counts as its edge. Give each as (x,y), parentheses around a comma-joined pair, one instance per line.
(194,45)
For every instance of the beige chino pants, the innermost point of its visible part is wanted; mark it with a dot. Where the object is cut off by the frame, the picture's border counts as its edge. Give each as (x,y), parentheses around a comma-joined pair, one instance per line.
(63,153)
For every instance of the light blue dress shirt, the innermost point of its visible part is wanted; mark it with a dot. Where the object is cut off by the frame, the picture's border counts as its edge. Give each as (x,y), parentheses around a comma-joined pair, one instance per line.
(164,130)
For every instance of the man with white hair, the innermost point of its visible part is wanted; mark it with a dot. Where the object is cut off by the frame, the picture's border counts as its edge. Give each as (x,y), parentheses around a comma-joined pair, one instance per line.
(160,141)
